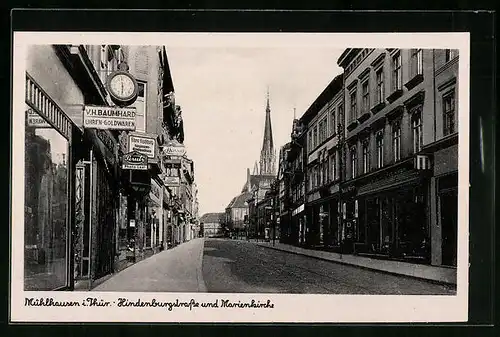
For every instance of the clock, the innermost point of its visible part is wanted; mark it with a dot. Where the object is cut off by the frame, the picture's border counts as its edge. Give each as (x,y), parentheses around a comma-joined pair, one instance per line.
(122,88)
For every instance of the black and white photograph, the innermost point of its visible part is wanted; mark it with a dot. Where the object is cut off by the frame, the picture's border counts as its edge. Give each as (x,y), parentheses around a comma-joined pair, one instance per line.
(240,177)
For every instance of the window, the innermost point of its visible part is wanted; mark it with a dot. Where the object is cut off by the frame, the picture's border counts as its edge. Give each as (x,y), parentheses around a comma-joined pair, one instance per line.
(396,72)
(396,140)
(353,112)
(323,127)
(315,139)
(449,114)
(417,130)
(340,113)
(365,89)
(380,149)
(450,54)
(333,122)
(354,162)
(140,105)
(416,62)
(333,164)
(366,156)
(325,171)
(45,205)
(380,85)
(309,143)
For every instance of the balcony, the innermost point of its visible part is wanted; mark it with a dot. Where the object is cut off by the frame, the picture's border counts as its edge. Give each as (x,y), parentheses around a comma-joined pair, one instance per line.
(351,125)
(414,81)
(377,107)
(395,95)
(364,116)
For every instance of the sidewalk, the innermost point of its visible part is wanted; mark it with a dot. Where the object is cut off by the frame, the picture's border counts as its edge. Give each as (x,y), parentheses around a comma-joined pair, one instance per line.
(173,270)
(431,273)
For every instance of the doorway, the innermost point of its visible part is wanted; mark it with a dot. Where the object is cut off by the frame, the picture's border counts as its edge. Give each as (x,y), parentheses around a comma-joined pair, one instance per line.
(449,208)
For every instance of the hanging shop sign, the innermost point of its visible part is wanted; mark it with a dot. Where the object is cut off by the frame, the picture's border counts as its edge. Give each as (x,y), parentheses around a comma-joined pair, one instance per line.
(107,117)
(134,161)
(142,144)
(155,192)
(298,210)
(172,181)
(35,120)
(174,148)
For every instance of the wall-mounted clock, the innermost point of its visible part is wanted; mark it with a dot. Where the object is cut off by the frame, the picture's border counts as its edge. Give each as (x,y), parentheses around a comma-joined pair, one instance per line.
(122,88)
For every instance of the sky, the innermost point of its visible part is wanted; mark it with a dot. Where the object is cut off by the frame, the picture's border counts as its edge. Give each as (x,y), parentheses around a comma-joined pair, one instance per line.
(222,92)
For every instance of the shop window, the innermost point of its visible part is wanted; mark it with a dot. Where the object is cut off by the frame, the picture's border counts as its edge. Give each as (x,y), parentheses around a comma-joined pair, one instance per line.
(417,129)
(416,62)
(380,149)
(380,85)
(396,140)
(396,72)
(449,114)
(46,220)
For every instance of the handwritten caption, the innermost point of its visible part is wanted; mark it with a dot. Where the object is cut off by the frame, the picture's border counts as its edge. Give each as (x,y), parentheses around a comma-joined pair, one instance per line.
(123,302)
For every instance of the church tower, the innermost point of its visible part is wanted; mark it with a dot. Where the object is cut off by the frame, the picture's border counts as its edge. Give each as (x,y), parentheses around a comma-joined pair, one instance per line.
(267,154)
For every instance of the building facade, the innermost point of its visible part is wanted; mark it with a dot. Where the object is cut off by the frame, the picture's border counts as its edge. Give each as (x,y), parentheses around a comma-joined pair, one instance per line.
(379,147)
(86,217)
(323,192)
(391,118)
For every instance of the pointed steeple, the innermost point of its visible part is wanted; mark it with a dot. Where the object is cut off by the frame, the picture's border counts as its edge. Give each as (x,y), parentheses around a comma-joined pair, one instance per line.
(267,154)
(255,169)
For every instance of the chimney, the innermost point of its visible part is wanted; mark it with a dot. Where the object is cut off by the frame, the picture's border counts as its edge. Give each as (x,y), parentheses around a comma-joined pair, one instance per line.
(249,186)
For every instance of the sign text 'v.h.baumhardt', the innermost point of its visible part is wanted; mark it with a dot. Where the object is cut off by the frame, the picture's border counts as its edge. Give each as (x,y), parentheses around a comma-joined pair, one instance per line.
(111,118)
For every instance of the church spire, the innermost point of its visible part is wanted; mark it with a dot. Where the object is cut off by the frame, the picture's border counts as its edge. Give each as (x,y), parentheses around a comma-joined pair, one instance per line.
(255,169)
(267,154)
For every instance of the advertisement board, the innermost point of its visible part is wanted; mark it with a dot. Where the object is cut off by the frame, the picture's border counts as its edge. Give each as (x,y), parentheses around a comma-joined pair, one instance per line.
(35,120)
(111,118)
(142,144)
(172,181)
(134,161)
(156,192)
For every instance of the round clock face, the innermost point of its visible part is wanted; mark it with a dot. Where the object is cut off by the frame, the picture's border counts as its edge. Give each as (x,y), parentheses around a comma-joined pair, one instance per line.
(122,86)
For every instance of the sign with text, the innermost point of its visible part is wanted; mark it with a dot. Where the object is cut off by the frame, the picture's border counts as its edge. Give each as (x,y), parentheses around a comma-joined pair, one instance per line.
(174,148)
(134,161)
(172,181)
(107,117)
(143,144)
(35,120)
(156,192)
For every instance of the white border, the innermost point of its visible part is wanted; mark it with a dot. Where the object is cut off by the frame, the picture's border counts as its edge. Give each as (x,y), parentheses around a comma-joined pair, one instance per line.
(287,307)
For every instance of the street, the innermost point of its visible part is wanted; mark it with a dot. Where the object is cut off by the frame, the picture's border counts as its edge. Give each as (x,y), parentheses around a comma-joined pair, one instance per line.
(243,267)
(239,266)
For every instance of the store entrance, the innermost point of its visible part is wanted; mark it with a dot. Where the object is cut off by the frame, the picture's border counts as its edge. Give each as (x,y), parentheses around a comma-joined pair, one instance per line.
(449,209)
(82,237)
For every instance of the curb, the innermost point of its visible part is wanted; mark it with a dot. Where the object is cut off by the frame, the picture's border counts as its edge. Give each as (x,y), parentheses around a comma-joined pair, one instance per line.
(453,285)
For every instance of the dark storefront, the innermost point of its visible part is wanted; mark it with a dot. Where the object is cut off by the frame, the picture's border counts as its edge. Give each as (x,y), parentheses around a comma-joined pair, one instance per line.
(387,215)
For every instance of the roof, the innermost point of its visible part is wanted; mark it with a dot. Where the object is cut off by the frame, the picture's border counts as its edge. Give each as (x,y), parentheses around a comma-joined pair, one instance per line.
(211,217)
(328,93)
(240,200)
(255,180)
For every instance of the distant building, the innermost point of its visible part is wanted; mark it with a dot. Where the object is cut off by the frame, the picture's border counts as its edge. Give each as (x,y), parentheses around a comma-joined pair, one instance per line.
(211,224)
